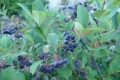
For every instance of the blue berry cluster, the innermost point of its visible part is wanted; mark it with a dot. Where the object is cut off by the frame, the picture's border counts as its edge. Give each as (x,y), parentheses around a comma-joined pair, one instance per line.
(24,61)
(77,63)
(42,56)
(2,66)
(69,42)
(50,68)
(12,31)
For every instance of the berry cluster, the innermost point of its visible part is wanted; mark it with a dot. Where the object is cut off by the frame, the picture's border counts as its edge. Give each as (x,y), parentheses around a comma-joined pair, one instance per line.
(23,61)
(12,31)
(50,68)
(42,56)
(77,63)
(69,42)
(2,66)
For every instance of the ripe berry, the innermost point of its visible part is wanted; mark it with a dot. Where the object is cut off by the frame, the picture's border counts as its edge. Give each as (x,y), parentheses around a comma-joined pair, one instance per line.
(66,42)
(77,63)
(65,33)
(67,37)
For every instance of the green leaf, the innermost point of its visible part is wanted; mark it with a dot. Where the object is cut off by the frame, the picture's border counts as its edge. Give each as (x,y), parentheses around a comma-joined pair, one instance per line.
(40,32)
(25,9)
(52,39)
(38,16)
(78,26)
(48,27)
(37,5)
(20,76)
(66,73)
(10,74)
(98,4)
(6,42)
(92,22)
(112,13)
(115,22)
(82,15)
(29,37)
(114,66)
(84,59)
(101,13)
(118,18)
(34,66)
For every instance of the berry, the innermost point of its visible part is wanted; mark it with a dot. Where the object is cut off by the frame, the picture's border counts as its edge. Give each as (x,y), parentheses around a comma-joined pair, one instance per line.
(94,9)
(65,33)
(66,42)
(77,63)
(65,60)
(67,37)
(75,45)
(72,36)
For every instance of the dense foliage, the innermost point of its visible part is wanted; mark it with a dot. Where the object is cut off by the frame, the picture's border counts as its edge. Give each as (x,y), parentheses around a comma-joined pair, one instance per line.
(85,47)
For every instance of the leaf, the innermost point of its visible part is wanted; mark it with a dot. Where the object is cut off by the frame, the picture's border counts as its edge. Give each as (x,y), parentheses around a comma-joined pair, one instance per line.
(92,22)
(114,66)
(84,59)
(118,18)
(82,15)
(34,66)
(66,73)
(25,9)
(10,74)
(48,27)
(6,42)
(20,76)
(101,13)
(38,16)
(112,13)
(78,28)
(52,39)
(115,22)
(29,37)
(37,5)
(40,32)
(98,4)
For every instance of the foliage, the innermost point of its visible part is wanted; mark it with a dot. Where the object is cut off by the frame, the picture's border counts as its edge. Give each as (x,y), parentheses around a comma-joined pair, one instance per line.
(86,48)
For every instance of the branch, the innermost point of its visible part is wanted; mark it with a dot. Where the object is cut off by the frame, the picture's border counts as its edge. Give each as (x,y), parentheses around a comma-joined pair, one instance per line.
(95,63)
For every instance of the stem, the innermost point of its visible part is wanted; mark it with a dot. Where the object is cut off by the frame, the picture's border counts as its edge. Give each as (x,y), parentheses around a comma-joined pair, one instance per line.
(104,4)
(95,63)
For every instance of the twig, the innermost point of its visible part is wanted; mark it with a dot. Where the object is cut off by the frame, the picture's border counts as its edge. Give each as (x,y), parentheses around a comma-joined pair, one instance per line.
(104,4)
(95,63)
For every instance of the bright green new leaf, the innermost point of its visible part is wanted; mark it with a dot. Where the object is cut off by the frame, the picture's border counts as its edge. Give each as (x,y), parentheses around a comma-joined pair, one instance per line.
(82,15)
(34,66)
(38,16)
(78,26)
(37,5)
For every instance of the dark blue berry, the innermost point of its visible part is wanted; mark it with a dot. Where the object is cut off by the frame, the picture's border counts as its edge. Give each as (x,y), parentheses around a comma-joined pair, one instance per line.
(67,37)
(77,63)
(72,36)
(65,33)
(66,42)
(75,45)
(65,60)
